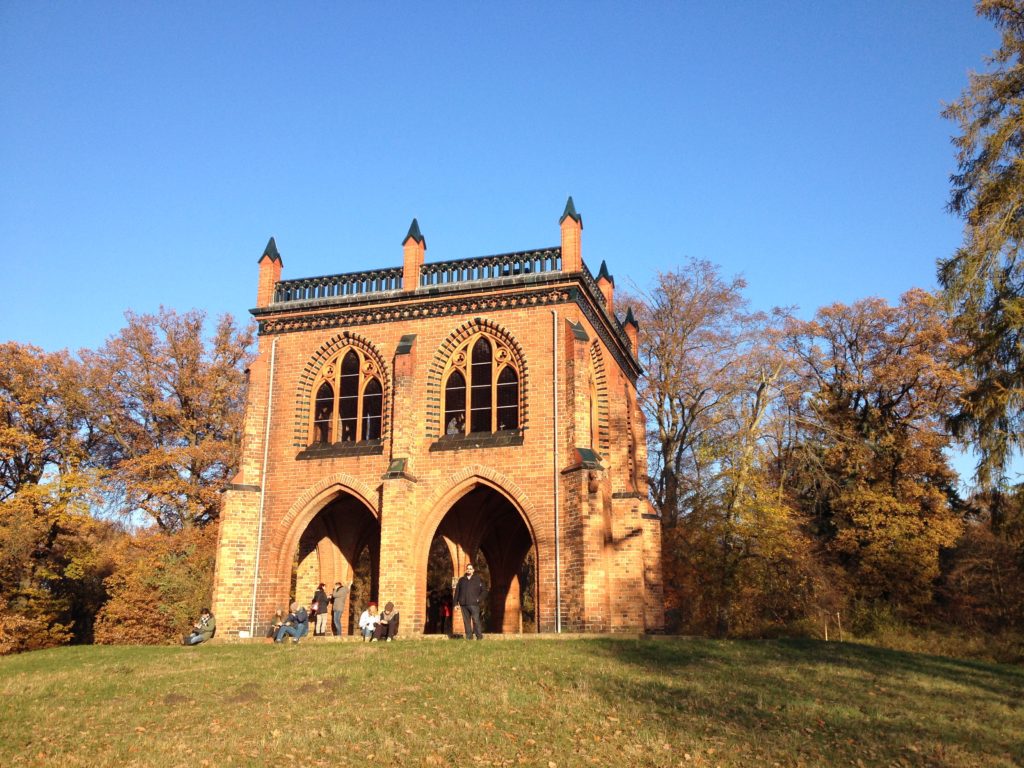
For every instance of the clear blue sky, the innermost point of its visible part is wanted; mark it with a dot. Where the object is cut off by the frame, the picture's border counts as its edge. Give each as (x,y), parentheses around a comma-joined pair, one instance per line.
(148,150)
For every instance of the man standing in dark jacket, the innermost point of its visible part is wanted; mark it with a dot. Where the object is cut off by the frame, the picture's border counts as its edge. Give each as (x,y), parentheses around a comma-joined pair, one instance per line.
(468,593)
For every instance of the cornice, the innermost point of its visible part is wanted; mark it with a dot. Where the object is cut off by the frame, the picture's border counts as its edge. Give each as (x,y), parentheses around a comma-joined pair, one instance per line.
(423,304)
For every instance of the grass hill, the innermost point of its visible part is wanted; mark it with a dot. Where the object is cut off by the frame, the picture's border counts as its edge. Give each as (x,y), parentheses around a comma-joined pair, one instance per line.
(557,702)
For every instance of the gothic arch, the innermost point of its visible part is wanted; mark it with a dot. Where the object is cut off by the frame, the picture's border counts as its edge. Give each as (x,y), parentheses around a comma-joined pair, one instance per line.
(601,381)
(454,487)
(506,559)
(435,374)
(311,371)
(308,504)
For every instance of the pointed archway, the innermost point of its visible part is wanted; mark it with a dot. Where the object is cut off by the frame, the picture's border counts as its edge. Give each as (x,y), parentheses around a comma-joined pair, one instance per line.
(341,543)
(484,527)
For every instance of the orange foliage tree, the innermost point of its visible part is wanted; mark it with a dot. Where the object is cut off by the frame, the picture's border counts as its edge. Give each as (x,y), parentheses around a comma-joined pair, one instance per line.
(873,479)
(168,405)
(53,554)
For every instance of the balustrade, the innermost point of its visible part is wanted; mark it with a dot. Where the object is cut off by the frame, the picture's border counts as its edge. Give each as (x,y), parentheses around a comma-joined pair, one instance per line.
(334,286)
(491,267)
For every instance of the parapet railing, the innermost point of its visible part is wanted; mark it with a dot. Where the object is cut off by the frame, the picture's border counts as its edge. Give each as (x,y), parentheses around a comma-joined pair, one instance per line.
(491,267)
(477,269)
(329,286)
(591,283)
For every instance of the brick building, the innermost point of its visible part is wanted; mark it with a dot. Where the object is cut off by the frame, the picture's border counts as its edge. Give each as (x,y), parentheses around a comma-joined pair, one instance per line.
(402,421)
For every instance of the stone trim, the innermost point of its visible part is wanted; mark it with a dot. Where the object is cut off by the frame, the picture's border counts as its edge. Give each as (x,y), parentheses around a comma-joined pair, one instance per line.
(365,448)
(478,440)
(244,487)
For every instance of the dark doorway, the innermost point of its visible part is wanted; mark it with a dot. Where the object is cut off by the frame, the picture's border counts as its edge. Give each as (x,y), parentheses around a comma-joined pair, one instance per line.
(484,526)
(340,544)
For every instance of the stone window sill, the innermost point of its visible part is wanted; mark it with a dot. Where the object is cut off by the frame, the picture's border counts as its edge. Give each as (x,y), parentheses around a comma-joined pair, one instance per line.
(336,450)
(478,440)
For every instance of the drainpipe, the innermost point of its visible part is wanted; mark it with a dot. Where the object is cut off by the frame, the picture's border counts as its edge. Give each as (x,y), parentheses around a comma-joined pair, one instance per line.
(555,475)
(263,489)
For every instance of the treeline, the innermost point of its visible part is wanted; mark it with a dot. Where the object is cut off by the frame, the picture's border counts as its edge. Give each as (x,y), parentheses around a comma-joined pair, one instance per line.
(802,468)
(111,466)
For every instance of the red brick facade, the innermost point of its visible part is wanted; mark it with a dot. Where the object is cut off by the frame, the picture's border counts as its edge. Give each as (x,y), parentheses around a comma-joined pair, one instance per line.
(488,402)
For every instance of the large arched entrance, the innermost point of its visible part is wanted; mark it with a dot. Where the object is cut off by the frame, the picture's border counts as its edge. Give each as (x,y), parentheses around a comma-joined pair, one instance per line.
(485,527)
(340,544)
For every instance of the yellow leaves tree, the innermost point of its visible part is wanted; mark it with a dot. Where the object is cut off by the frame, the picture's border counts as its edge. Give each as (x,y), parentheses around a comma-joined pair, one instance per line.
(53,553)
(874,482)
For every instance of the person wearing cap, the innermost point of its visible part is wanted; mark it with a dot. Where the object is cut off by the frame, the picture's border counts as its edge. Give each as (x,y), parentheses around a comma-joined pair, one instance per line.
(387,627)
(468,593)
(368,621)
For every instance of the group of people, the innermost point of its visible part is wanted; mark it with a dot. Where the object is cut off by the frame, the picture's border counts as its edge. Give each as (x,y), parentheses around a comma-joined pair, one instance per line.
(322,606)
(379,625)
(374,625)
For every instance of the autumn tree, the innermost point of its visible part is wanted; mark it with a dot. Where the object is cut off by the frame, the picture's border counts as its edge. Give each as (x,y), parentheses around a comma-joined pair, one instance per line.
(168,405)
(983,281)
(692,325)
(874,480)
(53,554)
(734,558)
(159,582)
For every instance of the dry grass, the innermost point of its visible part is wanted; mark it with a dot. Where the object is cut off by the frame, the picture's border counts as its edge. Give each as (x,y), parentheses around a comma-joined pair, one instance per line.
(665,702)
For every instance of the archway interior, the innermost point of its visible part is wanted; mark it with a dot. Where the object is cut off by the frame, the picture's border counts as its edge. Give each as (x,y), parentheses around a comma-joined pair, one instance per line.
(341,543)
(485,527)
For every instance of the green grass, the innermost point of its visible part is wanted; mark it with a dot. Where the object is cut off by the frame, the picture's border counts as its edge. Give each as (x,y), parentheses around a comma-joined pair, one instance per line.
(663,702)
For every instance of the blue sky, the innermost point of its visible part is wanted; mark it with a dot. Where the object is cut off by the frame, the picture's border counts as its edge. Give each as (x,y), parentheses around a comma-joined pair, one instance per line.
(149,150)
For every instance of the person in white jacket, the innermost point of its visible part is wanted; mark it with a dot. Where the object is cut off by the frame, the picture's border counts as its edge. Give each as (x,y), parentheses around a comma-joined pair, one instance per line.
(368,621)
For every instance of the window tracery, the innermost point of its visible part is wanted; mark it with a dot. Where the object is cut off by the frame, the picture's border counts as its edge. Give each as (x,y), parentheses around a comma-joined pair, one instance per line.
(481,387)
(349,400)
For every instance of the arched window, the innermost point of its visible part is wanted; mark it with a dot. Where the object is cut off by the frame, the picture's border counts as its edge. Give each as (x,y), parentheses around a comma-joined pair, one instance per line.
(322,414)
(349,402)
(481,388)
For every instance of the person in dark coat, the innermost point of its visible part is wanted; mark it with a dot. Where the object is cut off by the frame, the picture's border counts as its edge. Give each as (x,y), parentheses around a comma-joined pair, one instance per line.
(468,594)
(320,611)
(297,625)
(387,625)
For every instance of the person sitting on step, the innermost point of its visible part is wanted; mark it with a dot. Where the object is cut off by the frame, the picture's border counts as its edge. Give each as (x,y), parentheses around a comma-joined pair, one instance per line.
(297,625)
(387,626)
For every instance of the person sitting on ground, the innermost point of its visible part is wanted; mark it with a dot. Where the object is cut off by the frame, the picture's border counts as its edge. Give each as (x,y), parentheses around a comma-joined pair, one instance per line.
(387,627)
(275,624)
(297,625)
(203,629)
(368,621)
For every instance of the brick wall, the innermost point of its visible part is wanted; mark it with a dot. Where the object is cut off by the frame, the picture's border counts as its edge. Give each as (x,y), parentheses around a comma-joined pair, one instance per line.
(609,556)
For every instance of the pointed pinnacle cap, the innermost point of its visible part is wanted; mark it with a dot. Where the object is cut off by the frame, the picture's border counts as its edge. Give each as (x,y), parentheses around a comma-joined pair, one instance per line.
(630,320)
(271,251)
(570,211)
(414,233)
(604,273)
